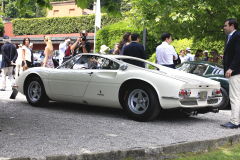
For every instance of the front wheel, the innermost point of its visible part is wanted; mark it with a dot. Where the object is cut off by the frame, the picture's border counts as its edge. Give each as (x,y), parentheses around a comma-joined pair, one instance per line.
(223,101)
(35,92)
(141,103)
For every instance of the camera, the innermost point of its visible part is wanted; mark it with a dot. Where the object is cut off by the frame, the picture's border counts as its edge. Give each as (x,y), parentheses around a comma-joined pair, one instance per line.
(83,36)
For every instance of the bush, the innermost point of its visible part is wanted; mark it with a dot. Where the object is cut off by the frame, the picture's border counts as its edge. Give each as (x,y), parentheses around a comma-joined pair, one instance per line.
(2,31)
(59,25)
(112,34)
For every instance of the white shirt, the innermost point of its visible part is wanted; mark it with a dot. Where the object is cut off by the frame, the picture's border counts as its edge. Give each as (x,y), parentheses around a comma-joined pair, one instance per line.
(183,59)
(165,53)
(27,53)
(19,58)
(231,34)
(190,57)
(62,49)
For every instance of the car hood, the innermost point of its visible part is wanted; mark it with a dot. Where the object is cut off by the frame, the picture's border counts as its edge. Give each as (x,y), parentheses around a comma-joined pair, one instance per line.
(192,81)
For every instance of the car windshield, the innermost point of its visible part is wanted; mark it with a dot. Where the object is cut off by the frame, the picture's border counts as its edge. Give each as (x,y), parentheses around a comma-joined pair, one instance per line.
(198,69)
(139,63)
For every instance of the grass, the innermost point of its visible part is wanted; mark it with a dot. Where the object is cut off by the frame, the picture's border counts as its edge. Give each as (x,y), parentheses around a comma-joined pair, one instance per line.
(225,152)
(228,151)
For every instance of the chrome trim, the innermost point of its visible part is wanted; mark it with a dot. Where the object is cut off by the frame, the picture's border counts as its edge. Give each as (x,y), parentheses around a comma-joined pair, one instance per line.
(190,98)
(166,97)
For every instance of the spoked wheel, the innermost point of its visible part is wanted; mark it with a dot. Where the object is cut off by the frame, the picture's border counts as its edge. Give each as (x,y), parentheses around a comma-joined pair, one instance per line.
(142,103)
(138,101)
(35,92)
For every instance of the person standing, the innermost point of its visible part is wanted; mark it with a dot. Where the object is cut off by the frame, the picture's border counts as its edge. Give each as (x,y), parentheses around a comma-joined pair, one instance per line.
(205,58)
(48,61)
(182,56)
(115,48)
(215,57)
(9,56)
(135,50)
(62,49)
(32,58)
(231,64)
(19,60)
(198,55)
(123,43)
(81,45)
(165,53)
(26,54)
(189,56)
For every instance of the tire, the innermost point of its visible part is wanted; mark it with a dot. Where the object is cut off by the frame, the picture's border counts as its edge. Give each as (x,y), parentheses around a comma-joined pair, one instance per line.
(224,100)
(35,92)
(142,103)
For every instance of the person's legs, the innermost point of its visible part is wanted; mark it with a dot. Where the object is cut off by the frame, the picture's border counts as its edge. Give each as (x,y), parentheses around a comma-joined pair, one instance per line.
(17,70)
(10,75)
(234,94)
(4,72)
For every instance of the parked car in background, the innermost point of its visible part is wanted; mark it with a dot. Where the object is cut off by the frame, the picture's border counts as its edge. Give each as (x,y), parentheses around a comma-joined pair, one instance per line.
(212,71)
(107,80)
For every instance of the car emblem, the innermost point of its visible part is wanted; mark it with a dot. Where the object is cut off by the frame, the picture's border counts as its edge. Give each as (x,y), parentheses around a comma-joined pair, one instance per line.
(100,93)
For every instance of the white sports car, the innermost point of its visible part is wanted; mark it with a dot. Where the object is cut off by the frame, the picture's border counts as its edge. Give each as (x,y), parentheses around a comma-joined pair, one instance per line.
(109,81)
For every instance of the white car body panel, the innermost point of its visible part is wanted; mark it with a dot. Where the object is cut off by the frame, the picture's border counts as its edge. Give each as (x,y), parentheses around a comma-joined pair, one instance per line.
(102,87)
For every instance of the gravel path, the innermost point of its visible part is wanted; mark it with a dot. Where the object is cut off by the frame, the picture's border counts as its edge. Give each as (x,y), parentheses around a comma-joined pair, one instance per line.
(65,128)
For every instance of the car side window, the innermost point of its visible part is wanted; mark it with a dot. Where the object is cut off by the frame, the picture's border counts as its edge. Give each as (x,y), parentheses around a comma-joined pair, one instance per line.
(109,64)
(88,62)
(68,64)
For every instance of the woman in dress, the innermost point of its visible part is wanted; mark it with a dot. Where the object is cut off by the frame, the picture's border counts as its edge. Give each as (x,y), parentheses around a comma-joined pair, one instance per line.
(48,62)
(123,43)
(26,54)
(198,54)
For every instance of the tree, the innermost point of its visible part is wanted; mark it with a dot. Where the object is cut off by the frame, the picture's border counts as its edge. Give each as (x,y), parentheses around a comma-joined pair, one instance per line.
(12,10)
(109,6)
(184,18)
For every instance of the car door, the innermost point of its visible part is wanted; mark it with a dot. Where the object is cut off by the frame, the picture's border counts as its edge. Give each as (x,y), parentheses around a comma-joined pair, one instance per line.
(71,79)
(104,84)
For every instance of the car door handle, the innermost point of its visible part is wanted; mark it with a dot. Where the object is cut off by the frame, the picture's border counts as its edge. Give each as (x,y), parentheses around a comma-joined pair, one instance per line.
(90,73)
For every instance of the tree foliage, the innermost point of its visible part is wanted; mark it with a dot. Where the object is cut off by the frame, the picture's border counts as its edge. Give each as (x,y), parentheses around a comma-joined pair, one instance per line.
(109,6)
(184,18)
(12,10)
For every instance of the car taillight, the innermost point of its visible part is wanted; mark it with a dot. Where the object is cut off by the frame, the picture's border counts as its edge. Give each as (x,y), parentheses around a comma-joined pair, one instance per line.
(216,92)
(184,93)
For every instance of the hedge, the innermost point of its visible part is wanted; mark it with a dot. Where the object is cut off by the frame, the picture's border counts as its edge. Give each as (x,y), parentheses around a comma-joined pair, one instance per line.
(59,25)
(112,34)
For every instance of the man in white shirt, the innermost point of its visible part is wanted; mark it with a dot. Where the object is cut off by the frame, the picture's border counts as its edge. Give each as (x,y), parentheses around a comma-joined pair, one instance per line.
(189,56)
(182,56)
(165,53)
(62,49)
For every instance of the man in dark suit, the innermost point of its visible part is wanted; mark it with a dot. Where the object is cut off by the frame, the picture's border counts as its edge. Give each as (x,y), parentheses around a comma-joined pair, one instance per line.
(9,56)
(135,50)
(231,64)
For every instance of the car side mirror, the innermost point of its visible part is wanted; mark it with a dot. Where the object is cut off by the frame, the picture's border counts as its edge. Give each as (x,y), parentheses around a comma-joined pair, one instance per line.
(123,66)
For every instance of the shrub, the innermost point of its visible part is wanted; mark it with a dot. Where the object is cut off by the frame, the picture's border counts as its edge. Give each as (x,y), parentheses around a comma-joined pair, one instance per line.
(59,25)
(112,34)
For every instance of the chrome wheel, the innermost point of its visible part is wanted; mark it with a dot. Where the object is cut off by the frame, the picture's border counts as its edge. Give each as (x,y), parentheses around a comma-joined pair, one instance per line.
(138,101)
(34,91)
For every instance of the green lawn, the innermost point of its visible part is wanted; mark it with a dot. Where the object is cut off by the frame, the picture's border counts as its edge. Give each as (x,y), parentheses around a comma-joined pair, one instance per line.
(226,152)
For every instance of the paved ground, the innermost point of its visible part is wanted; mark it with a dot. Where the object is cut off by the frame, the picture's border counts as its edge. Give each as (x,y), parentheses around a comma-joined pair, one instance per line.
(64,129)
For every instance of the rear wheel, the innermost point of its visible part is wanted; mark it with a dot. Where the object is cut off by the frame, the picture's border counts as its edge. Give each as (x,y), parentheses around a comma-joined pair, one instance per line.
(35,92)
(224,100)
(141,103)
